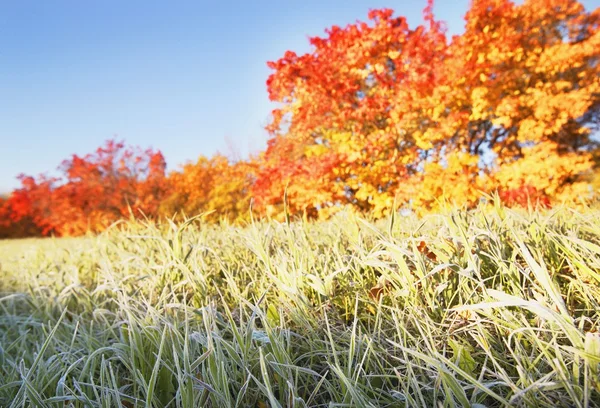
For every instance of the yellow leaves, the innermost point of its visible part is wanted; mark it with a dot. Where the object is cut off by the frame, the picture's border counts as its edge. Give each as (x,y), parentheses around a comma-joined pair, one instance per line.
(529,131)
(454,180)
(394,116)
(365,192)
(438,111)
(502,121)
(421,141)
(480,103)
(316,150)
(328,211)
(519,54)
(543,167)
(505,111)
(578,191)
(495,56)
(361,73)
(381,205)
(393,54)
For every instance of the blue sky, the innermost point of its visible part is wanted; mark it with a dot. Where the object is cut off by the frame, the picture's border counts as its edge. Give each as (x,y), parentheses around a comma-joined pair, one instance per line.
(185,77)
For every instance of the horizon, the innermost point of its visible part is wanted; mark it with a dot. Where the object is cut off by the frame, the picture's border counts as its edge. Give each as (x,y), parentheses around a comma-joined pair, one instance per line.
(185,79)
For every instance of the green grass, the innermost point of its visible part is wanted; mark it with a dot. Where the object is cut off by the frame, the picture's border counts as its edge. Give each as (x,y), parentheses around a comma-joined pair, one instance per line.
(487,308)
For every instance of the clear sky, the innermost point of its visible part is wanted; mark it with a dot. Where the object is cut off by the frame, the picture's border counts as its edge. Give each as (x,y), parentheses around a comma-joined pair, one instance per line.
(185,77)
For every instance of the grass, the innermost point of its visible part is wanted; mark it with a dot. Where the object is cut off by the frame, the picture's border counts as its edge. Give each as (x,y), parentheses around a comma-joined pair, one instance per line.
(487,308)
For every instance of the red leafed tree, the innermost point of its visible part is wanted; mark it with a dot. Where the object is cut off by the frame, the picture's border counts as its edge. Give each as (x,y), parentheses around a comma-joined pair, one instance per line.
(95,190)
(13,226)
(352,113)
(27,207)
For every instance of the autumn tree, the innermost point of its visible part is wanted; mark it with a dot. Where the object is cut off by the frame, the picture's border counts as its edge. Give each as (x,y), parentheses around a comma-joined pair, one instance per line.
(13,226)
(215,185)
(94,191)
(338,106)
(380,112)
(528,89)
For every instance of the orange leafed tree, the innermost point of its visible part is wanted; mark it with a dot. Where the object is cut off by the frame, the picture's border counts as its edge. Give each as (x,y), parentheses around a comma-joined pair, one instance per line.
(339,107)
(213,185)
(379,112)
(303,174)
(529,86)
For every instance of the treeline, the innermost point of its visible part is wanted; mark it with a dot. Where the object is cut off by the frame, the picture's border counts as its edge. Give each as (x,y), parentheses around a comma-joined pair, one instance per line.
(377,115)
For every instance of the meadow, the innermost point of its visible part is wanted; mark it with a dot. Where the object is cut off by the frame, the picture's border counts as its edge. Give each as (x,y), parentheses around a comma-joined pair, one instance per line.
(486,308)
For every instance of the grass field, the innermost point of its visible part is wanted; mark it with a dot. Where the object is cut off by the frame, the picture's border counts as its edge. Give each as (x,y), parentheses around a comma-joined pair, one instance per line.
(488,308)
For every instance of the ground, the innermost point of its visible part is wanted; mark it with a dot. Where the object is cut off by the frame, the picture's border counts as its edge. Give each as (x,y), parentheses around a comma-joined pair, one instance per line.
(493,307)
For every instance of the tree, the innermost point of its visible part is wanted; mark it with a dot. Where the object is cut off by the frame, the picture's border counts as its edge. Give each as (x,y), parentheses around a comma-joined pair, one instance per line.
(528,89)
(12,226)
(95,190)
(211,184)
(398,114)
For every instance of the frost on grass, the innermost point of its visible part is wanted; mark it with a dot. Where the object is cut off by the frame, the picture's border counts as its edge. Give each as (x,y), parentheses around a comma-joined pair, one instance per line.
(487,308)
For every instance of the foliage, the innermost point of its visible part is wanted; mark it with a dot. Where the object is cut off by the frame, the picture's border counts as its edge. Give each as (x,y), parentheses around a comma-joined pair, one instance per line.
(95,191)
(12,226)
(210,184)
(396,108)
(378,116)
(491,307)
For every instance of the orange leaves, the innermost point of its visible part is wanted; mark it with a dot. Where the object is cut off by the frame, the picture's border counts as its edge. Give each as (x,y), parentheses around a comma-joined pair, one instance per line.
(301,170)
(210,184)
(453,180)
(424,249)
(520,75)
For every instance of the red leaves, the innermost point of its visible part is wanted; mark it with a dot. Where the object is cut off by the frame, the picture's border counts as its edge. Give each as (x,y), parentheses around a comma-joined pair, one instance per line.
(524,196)
(13,225)
(95,191)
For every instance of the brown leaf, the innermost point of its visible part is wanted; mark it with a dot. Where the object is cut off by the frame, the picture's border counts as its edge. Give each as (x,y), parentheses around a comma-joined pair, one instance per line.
(424,249)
